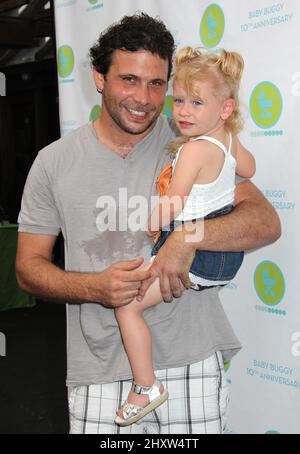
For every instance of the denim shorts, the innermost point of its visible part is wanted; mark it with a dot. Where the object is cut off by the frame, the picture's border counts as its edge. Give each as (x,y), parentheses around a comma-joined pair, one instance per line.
(213,266)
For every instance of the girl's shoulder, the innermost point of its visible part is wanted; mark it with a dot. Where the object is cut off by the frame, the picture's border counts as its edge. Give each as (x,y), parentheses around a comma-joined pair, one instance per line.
(200,146)
(196,152)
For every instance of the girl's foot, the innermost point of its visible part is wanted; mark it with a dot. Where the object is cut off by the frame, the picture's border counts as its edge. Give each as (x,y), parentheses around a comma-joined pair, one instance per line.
(141,400)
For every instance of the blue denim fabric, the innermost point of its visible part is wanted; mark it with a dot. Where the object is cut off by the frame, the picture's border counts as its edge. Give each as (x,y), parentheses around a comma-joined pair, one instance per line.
(214,266)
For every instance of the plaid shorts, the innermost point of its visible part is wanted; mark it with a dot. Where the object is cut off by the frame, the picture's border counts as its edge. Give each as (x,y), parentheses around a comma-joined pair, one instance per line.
(198,399)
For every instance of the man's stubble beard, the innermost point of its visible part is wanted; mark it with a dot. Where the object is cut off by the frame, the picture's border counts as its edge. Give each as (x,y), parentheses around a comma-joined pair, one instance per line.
(116,116)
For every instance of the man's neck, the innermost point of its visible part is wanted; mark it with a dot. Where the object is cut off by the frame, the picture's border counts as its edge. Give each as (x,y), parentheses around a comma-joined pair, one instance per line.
(118,141)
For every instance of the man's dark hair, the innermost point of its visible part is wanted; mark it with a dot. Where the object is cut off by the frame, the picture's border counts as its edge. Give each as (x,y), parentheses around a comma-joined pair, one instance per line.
(133,33)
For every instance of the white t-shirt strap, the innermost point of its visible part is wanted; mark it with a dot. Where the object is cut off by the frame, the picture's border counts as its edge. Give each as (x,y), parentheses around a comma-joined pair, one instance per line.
(178,153)
(230,143)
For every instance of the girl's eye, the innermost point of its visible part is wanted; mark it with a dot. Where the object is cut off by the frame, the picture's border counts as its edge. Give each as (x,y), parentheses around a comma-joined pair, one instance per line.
(177,101)
(197,103)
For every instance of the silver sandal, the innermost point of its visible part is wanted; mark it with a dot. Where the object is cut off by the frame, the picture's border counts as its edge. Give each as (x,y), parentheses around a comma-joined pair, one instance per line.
(133,413)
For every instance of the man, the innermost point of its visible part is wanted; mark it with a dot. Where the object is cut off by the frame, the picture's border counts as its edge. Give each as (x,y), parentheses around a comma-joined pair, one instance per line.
(97,174)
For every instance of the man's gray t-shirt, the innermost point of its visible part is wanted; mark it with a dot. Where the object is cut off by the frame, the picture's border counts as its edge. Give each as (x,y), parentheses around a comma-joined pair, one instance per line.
(78,186)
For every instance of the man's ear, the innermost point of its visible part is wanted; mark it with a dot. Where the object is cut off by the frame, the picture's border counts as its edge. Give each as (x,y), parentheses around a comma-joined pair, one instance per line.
(99,80)
(228,108)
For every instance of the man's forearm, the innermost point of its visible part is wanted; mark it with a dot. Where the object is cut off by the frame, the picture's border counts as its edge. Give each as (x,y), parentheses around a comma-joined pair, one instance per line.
(112,287)
(42,278)
(237,231)
(252,224)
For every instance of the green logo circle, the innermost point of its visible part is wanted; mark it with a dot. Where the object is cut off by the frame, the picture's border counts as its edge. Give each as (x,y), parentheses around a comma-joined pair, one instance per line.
(212,25)
(65,61)
(95,112)
(93,2)
(168,106)
(272,432)
(269,283)
(265,104)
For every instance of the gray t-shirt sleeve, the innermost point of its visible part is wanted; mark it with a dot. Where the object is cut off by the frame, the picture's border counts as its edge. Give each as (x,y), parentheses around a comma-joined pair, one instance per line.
(38,213)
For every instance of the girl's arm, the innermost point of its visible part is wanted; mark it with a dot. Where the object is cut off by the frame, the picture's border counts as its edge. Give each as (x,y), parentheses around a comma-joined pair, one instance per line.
(172,203)
(245,161)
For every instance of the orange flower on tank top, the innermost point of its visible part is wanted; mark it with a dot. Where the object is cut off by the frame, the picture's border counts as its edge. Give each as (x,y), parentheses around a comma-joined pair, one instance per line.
(163,180)
(162,183)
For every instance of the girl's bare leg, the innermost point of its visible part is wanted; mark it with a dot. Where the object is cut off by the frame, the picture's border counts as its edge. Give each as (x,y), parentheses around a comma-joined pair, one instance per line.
(137,340)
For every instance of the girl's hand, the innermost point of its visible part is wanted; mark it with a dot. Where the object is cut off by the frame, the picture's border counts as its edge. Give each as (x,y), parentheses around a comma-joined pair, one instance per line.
(150,233)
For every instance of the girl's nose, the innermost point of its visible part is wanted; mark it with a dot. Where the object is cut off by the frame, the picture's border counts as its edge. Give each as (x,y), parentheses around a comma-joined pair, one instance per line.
(184,109)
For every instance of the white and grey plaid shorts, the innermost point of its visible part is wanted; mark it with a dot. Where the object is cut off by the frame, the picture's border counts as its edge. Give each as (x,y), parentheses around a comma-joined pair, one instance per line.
(198,399)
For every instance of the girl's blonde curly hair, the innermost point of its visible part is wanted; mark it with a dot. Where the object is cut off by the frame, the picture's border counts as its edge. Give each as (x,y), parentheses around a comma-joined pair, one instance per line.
(223,72)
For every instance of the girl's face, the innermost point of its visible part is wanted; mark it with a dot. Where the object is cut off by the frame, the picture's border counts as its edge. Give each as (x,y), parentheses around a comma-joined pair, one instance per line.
(196,116)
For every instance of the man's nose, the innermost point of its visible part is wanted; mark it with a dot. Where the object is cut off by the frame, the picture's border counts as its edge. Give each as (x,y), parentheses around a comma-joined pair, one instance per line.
(141,94)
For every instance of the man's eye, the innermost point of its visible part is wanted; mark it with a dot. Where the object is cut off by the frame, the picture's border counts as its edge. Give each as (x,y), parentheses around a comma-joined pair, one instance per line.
(157,83)
(129,79)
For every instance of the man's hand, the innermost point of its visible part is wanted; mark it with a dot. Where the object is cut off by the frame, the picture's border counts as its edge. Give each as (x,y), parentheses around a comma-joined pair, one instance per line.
(119,284)
(115,286)
(171,265)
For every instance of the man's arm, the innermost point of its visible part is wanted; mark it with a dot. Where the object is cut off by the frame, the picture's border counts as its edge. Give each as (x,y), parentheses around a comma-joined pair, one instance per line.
(113,287)
(252,224)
